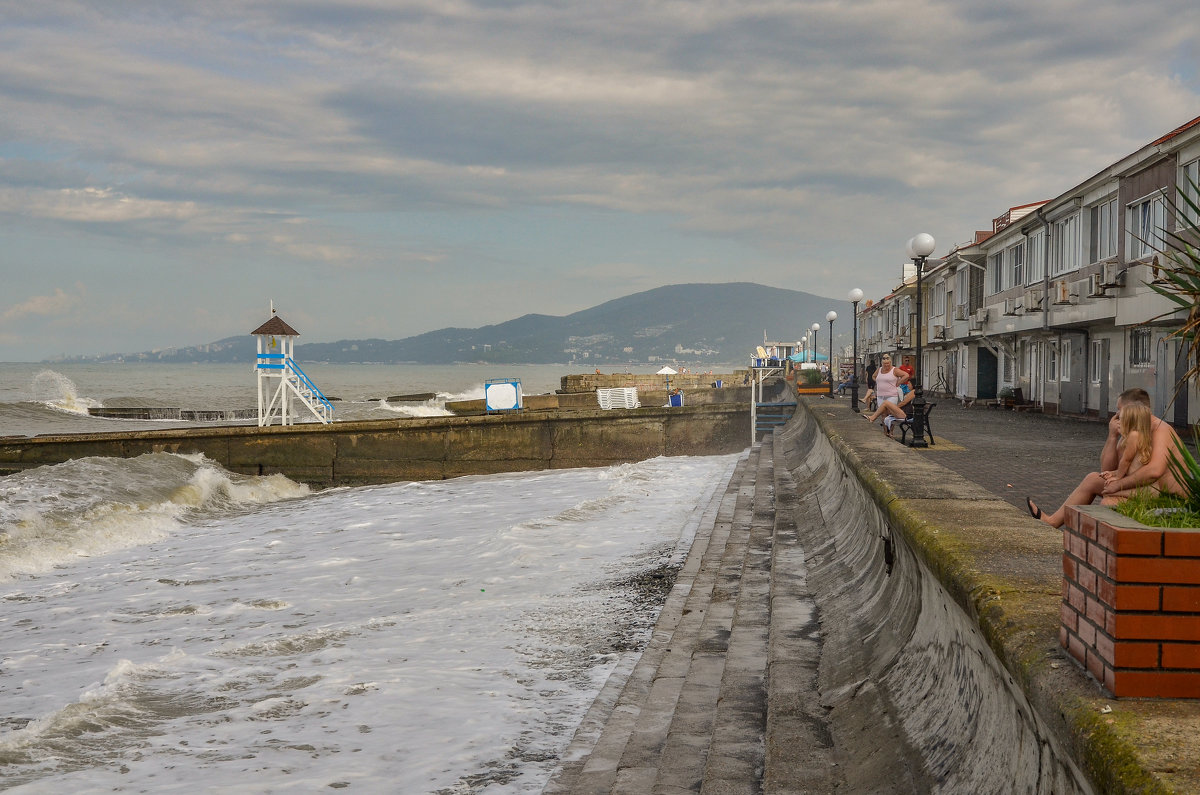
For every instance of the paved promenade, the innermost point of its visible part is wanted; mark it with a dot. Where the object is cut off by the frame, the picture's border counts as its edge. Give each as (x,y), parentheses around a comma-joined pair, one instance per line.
(1013,454)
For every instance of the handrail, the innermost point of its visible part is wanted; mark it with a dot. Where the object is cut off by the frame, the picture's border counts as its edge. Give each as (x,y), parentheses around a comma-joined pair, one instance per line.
(295,368)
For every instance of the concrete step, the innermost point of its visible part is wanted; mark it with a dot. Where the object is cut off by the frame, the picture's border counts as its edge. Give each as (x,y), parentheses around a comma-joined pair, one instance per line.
(688,743)
(670,743)
(736,754)
(634,701)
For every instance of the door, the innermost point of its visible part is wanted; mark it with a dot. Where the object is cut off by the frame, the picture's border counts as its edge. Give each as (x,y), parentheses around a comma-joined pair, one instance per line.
(985,374)
(1073,369)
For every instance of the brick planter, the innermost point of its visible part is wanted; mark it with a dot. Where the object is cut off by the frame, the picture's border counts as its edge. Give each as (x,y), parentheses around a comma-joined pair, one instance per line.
(1131,604)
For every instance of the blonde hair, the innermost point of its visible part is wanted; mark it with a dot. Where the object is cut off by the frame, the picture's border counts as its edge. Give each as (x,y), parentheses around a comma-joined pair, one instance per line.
(1135,417)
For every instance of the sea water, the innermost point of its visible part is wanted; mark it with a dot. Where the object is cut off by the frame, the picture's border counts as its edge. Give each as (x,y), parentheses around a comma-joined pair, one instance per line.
(168,626)
(55,398)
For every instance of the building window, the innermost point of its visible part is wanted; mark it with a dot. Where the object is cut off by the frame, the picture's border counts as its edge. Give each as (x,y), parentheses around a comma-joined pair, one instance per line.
(1037,256)
(1051,361)
(1147,220)
(1095,362)
(1016,265)
(1139,347)
(1007,375)
(1064,362)
(1104,222)
(1064,245)
(1189,185)
(939,299)
(995,274)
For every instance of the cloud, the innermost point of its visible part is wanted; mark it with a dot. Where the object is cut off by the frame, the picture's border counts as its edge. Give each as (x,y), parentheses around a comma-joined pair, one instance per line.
(59,304)
(486,140)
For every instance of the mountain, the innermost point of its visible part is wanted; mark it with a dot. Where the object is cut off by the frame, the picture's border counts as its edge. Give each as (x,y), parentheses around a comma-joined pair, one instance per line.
(706,323)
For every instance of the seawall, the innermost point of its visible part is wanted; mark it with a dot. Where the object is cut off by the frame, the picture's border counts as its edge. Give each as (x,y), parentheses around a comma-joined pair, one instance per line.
(913,673)
(433,448)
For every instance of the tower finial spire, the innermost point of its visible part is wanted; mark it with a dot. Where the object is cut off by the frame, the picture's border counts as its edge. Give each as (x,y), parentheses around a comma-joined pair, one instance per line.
(272,306)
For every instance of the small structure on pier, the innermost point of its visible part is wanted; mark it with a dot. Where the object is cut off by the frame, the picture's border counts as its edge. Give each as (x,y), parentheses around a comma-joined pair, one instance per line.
(280,379)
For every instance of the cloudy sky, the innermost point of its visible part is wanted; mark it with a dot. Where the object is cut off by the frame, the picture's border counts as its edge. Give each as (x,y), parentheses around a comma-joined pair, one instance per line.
(382,168)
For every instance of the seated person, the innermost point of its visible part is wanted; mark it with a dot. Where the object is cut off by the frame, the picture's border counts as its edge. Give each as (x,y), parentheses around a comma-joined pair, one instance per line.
(1124,452)
(895,411)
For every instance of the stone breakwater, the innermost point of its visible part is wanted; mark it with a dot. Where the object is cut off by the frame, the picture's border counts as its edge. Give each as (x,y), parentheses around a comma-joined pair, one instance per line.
(384,451)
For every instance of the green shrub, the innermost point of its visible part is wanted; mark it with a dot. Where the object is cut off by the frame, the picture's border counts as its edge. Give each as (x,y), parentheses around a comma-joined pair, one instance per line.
(1159,510)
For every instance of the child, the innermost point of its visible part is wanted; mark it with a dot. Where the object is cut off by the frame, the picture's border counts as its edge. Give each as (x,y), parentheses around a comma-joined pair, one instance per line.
(1135,440)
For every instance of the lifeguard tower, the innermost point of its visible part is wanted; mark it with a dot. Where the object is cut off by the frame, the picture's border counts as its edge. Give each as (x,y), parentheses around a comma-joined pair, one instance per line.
(280,379)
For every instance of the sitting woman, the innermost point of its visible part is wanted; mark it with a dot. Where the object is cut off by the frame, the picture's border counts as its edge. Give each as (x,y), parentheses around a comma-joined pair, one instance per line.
(895,411)
(887,386)
(1143,452)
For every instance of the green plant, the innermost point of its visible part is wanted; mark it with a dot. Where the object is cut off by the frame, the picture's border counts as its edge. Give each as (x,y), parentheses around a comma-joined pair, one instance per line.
(812,377)
(1006,393)
(1186,471)
(1182,278)
(1159,510)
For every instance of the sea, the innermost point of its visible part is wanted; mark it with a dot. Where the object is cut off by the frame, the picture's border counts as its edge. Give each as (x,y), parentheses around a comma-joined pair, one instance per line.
(169,626)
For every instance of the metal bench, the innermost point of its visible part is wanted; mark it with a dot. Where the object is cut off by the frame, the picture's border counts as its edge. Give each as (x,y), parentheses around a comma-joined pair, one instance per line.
(905,425)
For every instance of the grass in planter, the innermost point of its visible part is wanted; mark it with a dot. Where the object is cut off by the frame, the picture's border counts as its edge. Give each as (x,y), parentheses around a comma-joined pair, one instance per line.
(1159,510)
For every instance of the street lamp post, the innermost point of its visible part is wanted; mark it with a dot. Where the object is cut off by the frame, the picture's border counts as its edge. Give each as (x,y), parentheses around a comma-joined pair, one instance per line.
(919,248)
(856,295)
(831,316)
(814,330)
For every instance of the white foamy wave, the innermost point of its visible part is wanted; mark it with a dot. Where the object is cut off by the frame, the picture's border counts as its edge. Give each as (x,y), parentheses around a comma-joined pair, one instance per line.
(430,408)
(56,391)
(473,393)
(94,506)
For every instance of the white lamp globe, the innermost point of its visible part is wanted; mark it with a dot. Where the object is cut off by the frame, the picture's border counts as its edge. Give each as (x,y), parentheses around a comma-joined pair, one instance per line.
(816,327)
(831,316)
(922,245)
(856,295)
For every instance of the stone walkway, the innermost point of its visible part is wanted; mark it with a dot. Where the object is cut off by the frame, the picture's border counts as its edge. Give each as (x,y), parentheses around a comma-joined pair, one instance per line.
(1013,454)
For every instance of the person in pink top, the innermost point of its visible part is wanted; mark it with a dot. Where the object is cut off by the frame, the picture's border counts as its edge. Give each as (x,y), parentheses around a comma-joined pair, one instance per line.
(887,387)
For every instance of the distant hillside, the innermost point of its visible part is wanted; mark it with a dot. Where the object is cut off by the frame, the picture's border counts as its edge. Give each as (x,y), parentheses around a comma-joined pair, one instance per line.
(706,323)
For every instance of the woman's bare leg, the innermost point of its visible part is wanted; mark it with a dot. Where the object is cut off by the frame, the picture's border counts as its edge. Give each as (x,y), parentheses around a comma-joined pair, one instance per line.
(1088,490)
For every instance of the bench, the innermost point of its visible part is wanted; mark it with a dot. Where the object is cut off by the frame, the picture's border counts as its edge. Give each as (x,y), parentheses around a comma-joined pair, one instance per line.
(905,425)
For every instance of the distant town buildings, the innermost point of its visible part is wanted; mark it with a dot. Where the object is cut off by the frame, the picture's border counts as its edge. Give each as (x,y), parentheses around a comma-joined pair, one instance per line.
(1052,305)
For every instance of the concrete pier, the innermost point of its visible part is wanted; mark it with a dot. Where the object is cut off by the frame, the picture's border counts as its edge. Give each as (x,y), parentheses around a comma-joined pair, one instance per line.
(432,448)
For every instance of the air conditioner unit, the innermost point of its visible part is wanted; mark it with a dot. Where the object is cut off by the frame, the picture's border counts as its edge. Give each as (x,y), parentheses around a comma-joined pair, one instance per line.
(901,341)
(979,318)
(1111,274)
(1011,305)
(1096,286)
(939,332)
(1033,299)
(960,312)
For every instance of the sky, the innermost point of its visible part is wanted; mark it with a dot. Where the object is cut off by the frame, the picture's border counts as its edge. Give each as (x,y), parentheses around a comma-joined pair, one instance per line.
(382,168)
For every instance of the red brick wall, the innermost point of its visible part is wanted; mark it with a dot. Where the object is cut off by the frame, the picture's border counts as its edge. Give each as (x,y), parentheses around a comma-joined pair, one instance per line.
(1131,605)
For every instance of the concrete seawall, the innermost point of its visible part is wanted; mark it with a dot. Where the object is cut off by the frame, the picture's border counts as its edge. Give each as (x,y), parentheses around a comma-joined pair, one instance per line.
(915,694)
(351,453)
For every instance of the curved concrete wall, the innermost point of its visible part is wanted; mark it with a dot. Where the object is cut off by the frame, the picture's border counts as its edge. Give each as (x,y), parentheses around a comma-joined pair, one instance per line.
(915,696)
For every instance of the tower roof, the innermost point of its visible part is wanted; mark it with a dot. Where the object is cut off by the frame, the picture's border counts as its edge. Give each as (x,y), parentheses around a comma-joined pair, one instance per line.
(277,327)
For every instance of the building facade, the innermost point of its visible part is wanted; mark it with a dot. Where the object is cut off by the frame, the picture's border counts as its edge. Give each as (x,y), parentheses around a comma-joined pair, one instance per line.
(1052,306)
